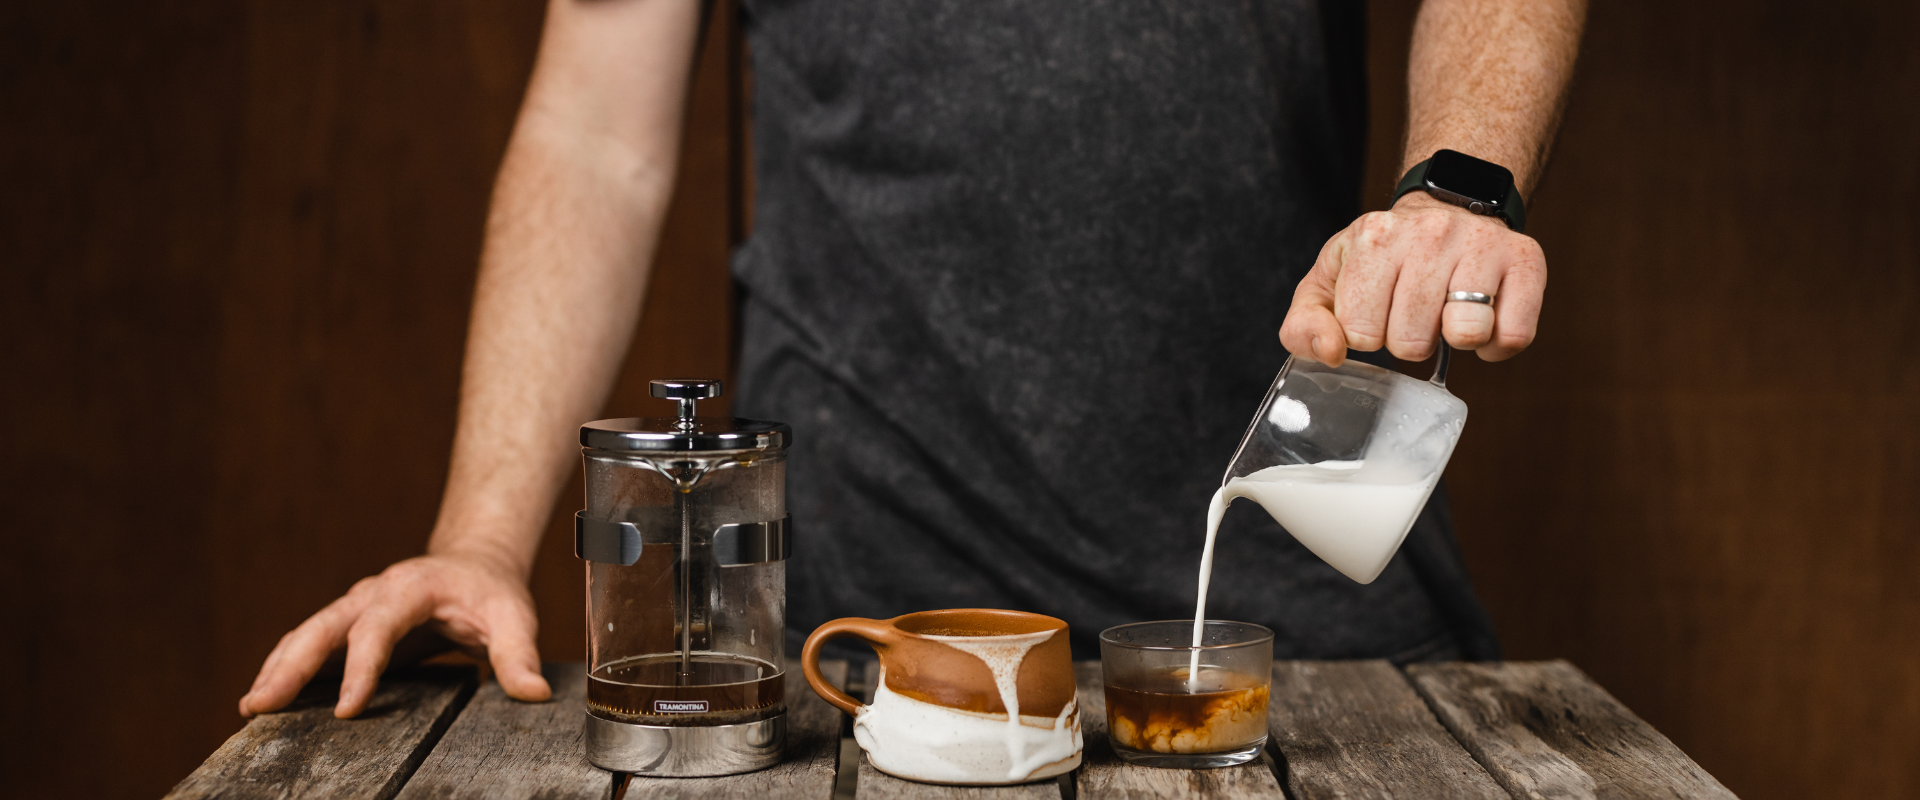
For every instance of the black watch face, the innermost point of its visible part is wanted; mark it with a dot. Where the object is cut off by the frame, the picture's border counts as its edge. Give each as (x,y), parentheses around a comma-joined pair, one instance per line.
(1469,177)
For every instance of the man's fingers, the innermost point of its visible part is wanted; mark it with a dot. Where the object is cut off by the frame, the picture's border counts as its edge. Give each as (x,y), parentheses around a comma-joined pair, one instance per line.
(1469,326)
(370,644)
(1383,282)
(297,657)
(266,667)
(1414,323)
(1523,287)
(1363,289)
(515,658)
(335,618)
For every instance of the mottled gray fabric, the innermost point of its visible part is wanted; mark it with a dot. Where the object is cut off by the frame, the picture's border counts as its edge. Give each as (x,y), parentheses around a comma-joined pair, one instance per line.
(1014,279)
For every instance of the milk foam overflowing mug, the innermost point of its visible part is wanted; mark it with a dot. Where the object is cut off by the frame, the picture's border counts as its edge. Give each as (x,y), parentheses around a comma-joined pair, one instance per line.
(966,696)
(1345,457)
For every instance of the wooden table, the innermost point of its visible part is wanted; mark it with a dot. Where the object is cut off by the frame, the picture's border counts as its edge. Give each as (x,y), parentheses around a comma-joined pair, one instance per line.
(1341,729)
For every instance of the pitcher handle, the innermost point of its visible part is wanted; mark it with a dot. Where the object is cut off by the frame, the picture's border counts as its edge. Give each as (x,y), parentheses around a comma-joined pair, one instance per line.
(875,632)
(1440,367)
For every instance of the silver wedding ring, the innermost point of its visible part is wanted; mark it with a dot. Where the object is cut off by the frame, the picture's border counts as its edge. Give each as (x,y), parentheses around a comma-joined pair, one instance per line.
(1470,297)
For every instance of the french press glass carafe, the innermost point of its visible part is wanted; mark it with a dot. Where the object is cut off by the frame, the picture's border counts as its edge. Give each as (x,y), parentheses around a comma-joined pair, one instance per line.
(685,536)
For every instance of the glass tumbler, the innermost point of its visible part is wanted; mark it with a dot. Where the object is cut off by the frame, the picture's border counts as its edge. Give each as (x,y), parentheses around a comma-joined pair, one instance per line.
(1170,704)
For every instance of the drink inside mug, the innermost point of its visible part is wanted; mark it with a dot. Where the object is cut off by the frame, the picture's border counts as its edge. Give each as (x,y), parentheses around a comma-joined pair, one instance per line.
(966,696)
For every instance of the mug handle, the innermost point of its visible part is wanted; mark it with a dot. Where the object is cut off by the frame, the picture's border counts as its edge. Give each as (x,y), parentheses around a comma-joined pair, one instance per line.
(875,632)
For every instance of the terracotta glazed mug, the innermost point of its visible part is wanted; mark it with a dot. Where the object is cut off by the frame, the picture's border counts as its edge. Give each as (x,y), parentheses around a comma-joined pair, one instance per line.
(947,678)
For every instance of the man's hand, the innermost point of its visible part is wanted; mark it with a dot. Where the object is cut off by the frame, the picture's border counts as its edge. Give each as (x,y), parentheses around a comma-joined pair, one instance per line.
(480,606)
(1486,78)
(1383,282)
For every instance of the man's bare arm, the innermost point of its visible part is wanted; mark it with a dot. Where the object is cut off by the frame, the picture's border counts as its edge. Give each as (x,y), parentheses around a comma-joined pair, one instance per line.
(1490,79)
(1487,78)
(576,213)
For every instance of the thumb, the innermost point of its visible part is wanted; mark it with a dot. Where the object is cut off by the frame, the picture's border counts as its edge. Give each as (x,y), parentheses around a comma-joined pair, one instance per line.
(515,659)
(1311,330)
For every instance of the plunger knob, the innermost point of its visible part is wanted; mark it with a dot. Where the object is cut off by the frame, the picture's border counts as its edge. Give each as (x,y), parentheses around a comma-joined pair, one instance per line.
(687,392)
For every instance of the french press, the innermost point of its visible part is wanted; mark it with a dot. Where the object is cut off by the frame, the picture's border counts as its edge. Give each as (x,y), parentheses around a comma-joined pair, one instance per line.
(685,535)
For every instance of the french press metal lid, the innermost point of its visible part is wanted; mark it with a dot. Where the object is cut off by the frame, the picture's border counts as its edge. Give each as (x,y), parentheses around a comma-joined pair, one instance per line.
(688,432)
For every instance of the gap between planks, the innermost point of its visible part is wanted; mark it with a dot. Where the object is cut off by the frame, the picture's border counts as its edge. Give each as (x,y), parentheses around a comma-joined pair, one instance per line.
(1357,729)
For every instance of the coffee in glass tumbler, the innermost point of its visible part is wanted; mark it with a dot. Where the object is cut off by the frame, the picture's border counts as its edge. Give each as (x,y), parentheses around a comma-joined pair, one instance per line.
(1163,712)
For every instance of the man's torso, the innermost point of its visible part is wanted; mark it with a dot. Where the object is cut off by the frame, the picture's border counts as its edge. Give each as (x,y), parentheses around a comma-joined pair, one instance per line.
(1015,277)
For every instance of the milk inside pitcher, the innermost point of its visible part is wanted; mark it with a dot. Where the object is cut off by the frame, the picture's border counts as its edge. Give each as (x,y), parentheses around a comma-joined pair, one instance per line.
(1344,458)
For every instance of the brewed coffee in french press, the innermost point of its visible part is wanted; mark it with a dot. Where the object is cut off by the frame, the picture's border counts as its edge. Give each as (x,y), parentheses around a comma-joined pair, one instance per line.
(685,535)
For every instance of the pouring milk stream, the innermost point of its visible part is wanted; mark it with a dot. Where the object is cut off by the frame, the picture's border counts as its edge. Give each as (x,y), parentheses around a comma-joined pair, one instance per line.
(1297,462)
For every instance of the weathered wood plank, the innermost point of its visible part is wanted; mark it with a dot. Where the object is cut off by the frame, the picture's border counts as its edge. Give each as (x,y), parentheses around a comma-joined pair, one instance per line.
(1103,775)
(1545,730)
(1356,729)
(873,784)
(503,748)
(305,752)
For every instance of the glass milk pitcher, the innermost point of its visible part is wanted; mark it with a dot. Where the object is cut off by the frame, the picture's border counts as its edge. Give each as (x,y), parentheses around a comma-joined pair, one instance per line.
(1345,457)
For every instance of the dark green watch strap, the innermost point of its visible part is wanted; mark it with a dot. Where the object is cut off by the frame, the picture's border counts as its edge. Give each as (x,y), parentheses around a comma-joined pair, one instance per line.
(1415,178)
(1513,211)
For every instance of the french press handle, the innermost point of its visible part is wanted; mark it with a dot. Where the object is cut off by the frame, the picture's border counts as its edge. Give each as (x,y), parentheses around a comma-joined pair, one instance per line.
(687,392)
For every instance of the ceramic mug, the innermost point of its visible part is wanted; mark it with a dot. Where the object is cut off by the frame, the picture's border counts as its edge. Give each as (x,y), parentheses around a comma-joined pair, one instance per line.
(940,713)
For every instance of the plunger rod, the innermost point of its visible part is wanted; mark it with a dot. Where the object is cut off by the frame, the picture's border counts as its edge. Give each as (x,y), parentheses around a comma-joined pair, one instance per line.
(686,590)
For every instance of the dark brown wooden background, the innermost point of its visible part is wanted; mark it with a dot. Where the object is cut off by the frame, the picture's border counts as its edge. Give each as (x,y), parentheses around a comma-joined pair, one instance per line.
(238,241)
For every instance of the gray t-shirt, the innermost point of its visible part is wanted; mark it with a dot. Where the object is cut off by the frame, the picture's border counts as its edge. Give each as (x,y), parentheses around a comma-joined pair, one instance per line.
(1015,278)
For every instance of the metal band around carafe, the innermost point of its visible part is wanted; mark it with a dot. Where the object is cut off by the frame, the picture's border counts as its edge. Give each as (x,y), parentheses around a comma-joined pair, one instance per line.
(753,542)
(733,545)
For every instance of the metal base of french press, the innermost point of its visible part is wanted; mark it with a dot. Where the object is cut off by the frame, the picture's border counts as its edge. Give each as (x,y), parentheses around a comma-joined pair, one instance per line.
(685,752)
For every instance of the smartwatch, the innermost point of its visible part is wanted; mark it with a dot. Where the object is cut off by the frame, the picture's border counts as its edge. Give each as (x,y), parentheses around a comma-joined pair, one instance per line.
(1482,187)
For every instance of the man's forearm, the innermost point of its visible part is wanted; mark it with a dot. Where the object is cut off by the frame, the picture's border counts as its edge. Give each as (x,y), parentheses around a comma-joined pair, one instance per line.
(562,278)
(1488,78)
(576,214)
